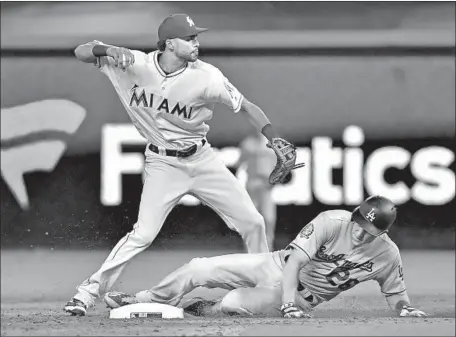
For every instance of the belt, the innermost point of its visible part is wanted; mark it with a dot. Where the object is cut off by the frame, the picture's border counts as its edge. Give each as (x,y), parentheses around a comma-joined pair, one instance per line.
(309,298)
(178,153)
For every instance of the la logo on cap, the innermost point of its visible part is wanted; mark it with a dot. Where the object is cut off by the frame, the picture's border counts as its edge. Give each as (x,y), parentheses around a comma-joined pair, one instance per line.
(371,215)
(190,22)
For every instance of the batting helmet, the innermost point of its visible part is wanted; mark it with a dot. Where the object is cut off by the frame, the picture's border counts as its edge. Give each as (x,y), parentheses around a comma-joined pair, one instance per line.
(375,215)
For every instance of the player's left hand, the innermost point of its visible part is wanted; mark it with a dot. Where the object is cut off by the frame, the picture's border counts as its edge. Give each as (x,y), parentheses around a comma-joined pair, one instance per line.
(290,310)
(408,311)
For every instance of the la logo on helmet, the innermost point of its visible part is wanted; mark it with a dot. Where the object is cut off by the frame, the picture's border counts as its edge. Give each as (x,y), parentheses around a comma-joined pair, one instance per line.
(371,215)
(190,21)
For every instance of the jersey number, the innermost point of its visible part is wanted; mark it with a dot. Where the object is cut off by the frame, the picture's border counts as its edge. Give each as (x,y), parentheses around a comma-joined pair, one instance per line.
(339,278)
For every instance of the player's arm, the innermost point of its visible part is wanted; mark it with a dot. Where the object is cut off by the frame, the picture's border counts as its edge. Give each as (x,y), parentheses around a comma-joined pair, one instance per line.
(393,288)
(84,52)
(91,52)
(256,116)
(297,260)
(283,149)
(397,301)
(302,249)
(222,91)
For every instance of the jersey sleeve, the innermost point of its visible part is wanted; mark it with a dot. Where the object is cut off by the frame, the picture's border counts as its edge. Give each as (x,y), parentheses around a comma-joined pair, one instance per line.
(313,235)
(220,90)
(391,281)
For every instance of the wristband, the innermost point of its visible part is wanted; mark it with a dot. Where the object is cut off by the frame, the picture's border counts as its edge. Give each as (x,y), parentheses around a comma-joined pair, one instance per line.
(99,50)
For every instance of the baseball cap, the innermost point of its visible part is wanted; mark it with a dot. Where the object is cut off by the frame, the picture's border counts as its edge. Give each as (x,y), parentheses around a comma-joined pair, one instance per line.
(375,215)
(178,25)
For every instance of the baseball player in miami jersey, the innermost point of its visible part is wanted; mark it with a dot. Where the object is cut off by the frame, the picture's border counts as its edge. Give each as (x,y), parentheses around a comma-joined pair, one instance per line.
(170,94)
(259,161)
(334,252)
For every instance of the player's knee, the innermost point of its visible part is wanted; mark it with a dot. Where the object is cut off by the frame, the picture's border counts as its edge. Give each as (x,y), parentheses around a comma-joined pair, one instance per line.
(233,303)
(199,269)
(196,264)
(145,237)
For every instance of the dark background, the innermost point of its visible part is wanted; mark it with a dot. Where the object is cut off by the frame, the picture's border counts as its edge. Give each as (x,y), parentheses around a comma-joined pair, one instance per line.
(315,68)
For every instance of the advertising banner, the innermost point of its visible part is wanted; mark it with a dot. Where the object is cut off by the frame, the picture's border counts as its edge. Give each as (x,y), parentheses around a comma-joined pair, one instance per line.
(364,124)
(92,200)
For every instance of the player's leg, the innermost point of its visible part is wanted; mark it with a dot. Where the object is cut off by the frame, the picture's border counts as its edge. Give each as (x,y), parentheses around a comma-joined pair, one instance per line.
(229,271)
(218,188)
(268,209)
(265,301)
(164,185)
(259,191)
(254,192)
(253,301)
(262,300)
(226,272)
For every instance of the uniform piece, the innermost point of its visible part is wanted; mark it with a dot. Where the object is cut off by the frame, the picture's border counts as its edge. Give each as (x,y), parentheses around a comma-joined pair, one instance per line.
(259,161)
(171,111)
(338,263)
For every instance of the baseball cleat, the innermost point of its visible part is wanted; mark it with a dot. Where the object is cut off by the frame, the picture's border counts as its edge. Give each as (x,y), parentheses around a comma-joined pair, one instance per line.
(115,299)
(195,306)
(75,307)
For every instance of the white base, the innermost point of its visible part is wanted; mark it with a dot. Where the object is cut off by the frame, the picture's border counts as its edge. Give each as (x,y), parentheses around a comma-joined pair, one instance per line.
(147,310)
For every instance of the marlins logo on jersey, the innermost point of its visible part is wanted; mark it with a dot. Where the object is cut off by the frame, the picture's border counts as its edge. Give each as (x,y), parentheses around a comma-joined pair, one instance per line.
(170,110)
(161,104)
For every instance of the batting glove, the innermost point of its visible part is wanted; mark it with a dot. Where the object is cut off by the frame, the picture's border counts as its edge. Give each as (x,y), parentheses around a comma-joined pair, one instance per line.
(290,310)
(408,311)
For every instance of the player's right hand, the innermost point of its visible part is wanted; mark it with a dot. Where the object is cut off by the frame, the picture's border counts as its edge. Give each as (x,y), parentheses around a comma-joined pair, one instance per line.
(290,310)
(123,57)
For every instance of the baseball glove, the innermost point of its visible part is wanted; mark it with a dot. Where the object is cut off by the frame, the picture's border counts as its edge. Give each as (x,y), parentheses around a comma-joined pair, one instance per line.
(286,160)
